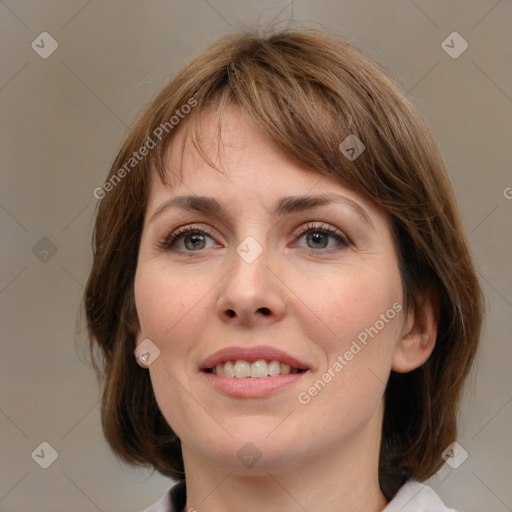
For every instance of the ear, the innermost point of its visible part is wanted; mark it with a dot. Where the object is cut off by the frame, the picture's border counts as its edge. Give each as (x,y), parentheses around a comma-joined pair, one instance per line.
(418,336)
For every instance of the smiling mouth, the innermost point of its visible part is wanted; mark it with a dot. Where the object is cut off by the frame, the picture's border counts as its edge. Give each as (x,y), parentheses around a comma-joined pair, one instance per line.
(261,368)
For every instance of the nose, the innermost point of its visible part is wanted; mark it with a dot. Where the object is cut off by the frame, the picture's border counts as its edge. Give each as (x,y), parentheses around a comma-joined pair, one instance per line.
(252,292)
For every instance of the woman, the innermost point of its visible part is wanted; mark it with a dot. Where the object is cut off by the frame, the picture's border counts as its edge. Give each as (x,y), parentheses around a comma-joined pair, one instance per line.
(282,290)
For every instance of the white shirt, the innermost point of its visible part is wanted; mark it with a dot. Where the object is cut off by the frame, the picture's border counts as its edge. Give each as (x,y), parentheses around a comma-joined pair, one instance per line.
(415,497)
(412,497)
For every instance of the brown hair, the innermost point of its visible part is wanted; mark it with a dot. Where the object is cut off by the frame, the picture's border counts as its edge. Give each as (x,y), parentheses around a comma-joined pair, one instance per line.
(308,91)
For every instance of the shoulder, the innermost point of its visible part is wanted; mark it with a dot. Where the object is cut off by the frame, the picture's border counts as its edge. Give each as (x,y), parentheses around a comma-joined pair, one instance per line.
(172,501)
(416,497)
(162,505)
(412,497)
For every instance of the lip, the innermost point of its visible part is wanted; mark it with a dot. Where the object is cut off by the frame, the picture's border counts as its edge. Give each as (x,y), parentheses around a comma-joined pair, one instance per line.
(251,354)
(252,387)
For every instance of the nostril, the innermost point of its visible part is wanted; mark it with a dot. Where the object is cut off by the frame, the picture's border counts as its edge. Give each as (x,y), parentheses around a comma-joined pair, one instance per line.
(231,313)
(265,311)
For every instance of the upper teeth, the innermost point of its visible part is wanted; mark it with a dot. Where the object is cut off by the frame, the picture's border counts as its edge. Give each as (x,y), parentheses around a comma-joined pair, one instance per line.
(258,369)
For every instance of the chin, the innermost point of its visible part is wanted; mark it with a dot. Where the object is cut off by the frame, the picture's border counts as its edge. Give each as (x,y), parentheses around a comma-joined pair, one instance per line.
(253,451)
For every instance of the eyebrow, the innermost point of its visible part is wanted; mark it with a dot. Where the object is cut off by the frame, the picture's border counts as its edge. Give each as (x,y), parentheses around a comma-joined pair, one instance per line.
(284,205)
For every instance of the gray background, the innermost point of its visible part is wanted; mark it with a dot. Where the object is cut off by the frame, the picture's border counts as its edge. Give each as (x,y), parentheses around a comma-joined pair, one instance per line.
(63,119)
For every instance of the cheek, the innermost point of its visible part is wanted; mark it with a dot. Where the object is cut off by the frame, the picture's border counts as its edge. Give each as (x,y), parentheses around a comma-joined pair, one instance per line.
(351,302)
(168,307)
(355,320)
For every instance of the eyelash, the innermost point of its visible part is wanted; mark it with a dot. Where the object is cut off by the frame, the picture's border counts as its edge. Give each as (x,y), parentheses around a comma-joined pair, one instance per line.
(171,239)
(326,230)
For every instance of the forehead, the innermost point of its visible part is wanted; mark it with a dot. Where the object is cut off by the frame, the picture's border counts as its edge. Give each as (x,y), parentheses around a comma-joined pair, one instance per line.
(240,165)
(229,142)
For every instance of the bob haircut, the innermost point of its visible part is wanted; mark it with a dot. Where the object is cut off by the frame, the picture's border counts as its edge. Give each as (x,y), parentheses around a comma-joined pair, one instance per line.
(307,90)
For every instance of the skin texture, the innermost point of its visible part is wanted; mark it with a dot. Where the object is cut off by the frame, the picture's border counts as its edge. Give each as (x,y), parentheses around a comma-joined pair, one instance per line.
(319,294)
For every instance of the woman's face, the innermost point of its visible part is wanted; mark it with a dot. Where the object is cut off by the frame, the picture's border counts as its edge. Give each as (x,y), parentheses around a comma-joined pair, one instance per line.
(264,271)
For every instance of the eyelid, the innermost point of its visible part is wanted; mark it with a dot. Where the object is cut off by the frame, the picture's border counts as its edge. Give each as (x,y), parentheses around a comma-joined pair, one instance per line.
(326,228)
(174,235)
